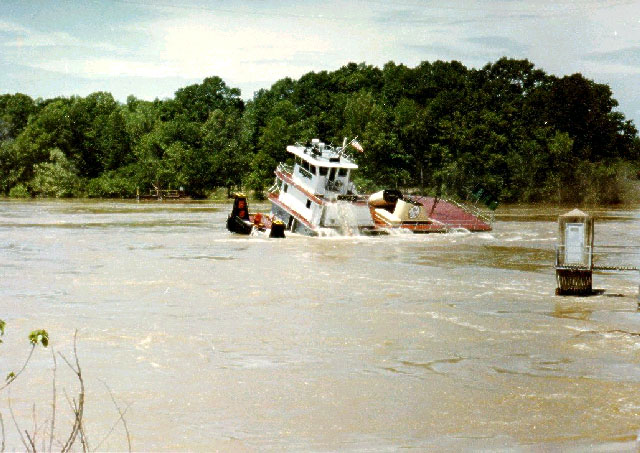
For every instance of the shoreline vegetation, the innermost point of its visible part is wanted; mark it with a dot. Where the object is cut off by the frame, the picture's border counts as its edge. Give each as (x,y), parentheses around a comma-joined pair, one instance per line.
(508,131)
(220,196)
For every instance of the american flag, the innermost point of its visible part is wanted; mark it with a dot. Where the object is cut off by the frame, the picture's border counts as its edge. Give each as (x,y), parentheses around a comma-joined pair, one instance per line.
(357,145)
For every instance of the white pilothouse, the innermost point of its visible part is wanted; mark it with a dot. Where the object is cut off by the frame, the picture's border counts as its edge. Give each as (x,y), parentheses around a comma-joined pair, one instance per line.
(317,194)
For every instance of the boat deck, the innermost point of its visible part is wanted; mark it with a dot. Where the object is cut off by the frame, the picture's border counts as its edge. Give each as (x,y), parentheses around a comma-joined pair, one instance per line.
(445,215)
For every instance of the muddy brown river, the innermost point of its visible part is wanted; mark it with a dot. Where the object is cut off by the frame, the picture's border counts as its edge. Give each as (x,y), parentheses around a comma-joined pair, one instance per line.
(211,341)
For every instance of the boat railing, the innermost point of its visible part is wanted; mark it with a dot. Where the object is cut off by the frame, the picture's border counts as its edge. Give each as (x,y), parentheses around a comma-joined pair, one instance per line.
(474,211)
(162,194)
(275,187)
(598,257)
(616,257)
(574,257)
(285,168)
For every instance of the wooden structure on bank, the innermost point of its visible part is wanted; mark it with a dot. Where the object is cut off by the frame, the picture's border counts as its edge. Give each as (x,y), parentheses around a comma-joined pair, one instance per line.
(162,194)
(575,255)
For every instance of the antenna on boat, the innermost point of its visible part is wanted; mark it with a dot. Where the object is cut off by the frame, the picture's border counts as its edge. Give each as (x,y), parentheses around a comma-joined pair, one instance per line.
(353,142)
(344,146)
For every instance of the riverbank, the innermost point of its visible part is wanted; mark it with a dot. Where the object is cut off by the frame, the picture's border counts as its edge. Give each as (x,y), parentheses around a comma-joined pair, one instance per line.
(630,199)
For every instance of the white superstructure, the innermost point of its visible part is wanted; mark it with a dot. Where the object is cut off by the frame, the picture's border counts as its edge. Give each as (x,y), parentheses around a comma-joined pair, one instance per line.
(317,192)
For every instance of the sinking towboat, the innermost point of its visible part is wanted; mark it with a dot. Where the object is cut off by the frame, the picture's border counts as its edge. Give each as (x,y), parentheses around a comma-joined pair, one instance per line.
(316,196)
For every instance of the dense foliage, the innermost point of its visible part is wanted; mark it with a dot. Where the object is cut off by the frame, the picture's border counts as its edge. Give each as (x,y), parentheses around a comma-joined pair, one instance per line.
(507,129)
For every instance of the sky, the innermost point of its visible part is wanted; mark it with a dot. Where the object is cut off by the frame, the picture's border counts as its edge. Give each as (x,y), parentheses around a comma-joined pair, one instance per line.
(151,48)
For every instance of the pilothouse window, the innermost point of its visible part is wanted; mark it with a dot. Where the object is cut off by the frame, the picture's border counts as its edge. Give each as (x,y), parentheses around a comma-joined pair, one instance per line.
(342,172)
(323,171)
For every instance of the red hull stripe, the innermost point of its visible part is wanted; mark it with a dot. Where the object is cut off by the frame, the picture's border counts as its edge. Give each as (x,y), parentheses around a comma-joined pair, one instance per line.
(286,178)
(298,216)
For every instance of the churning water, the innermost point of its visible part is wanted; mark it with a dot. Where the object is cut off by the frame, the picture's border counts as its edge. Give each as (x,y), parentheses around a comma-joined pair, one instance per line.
(215,341)
(341,212)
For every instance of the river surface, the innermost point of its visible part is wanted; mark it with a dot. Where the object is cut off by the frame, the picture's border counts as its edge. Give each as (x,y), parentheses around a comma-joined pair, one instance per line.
(211,341)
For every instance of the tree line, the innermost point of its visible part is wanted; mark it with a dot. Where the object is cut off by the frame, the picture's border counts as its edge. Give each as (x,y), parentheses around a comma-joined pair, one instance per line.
(508,130)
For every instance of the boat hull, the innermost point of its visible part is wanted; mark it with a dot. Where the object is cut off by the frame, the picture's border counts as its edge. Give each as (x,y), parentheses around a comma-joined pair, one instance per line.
(293,221)
(236,225)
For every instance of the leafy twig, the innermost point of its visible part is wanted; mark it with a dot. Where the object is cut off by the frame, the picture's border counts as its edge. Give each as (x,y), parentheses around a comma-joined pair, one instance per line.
(37,336)
(13,376)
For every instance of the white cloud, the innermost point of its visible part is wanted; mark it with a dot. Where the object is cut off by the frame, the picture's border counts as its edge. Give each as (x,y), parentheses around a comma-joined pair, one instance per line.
(32,39)
(11,27)
(240,49)
(106,67)
(203,46)
(23,37)
(610,68)
(197,47)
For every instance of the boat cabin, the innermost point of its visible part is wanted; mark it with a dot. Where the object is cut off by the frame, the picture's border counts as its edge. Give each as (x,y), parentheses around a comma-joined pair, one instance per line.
(322,169)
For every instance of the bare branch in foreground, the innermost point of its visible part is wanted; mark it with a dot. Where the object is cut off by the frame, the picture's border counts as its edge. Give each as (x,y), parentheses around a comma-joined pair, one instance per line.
(13,376)
(53,402)
(2,428)
(35,428)
(43,433)
(79,408)
(33,446)
(15,422)
(121,418)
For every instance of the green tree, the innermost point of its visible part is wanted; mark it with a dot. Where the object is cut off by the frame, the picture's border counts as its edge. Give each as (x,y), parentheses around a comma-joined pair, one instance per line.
(100,141)
(223,142)
(275,137)
(56,178)
(197,102)
(50,129)
(15,111)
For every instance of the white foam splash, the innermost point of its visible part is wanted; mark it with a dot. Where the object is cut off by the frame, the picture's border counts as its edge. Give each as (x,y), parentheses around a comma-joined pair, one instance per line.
(344,214)
(327,232)
(399,232)
(458,231)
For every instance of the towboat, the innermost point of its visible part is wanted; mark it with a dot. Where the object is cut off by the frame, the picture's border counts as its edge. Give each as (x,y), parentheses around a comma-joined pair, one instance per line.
(316,196)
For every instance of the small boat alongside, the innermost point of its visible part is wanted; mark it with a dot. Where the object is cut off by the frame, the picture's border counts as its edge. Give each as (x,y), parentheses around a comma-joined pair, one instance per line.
(316,196)
(242,222)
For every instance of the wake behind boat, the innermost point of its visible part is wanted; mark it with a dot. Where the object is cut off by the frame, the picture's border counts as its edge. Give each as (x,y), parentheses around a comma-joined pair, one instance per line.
(316,196)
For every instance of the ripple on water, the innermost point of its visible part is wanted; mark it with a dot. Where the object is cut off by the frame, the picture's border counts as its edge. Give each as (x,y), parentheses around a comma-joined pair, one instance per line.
(204,257)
